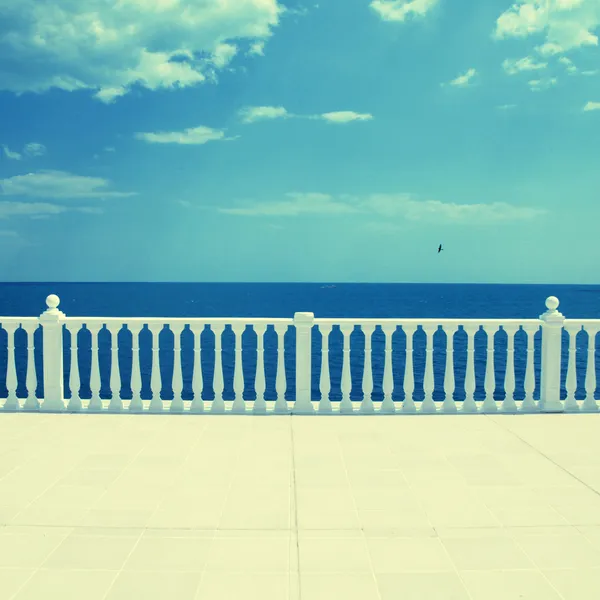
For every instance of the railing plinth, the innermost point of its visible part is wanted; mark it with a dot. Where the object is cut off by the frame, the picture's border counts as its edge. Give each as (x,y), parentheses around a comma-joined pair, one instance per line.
(552,324)
(303,322)
(52,322)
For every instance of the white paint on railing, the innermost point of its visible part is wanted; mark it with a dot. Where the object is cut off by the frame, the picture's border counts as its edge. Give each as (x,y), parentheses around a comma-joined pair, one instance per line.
(469,404)
(280,379)
(197,405)
(552,324)
(509,405)
(31,402)
(95,402)
(528,404)
(346,383)
(260,382)
(325,381)
(489,404)
(449,405)
(589,404)
(156,403)
(74,382)
(408,406)
(136,404)
(367,406)
(116,404)
(388,406)
(12,402)
(177,382)
(571,383)
(428,405)
(239,405)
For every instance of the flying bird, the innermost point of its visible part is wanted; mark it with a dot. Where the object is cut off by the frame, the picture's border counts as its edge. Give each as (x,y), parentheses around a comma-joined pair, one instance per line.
(440,249)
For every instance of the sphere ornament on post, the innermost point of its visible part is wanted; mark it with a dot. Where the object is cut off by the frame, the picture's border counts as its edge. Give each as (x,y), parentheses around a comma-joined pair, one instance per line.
(52,302)
(552,303)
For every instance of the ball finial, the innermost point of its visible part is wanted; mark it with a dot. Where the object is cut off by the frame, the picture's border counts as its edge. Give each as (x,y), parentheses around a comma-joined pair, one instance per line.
(52,301)
(552,303)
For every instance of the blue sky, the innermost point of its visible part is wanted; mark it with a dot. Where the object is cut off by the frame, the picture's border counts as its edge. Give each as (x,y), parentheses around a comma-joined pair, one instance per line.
(266,140)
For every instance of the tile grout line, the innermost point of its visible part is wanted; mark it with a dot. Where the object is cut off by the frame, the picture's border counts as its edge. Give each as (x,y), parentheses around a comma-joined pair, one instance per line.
(294,532)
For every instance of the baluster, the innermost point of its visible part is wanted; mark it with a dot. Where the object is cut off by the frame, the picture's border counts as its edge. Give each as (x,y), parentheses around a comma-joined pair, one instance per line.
(528,404)
(260,383)
(469,404)
(489,404)
(74,382)
(449,405)
(12,402)
(31,403)
(509,405)
(366,406)
(346,383)
(116,404)
(136,404)
(281,405)
(95,403)
(589,404)
(571,404)
(428,405)
(197,405)
(408,405)
(156,403)
(239,405)
(388,406)
(218,404)
(325,381)
(177,386)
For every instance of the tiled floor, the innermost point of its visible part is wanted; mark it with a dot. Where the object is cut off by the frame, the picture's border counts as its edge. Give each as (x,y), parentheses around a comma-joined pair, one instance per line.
(444,507)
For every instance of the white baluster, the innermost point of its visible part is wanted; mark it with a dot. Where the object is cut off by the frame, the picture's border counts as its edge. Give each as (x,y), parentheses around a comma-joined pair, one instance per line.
(528,404)
(197,405)
(115,404)
(408,406)
(74,382)
(428,405)
(12,402)
(325,381)
(239,404)
(509,405)
(388,406)
(136,404)
(95,403)
(469,404)
(260,382)
(156,403)
(489,404)
(449,405)
(346,383)
(589,404)
(571,404)
(218,404)
(281,405)
(31,403)
(177,402)
(366,406)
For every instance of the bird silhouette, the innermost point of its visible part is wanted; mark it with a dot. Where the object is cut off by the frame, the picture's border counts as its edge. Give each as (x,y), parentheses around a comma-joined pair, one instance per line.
(440,249)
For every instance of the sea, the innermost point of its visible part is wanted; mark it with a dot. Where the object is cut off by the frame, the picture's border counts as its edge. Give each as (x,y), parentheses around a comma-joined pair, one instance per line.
(277,300)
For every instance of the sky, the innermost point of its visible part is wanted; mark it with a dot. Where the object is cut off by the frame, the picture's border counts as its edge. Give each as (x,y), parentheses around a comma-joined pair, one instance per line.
(289,140)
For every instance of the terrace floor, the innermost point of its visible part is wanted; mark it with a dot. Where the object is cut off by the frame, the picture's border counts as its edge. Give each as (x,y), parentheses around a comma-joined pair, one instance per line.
(444,507)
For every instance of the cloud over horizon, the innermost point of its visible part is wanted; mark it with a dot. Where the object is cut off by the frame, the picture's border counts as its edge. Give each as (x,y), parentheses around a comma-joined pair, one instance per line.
(400,10)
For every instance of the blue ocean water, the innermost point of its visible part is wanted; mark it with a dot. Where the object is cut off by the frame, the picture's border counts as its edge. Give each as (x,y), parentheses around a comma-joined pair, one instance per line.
(344,300)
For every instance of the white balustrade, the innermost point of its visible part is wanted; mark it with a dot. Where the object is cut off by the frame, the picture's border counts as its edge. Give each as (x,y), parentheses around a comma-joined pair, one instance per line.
(197,405)
(177,402)
(280,379)
(528,404)
(469,404)
(260,382)
(388,406)
(239,405)
(136,404)
(589,404)
(571,404)
(218,405)
(428,405)
(116,403)
(325,380)
(55,323)
(346,382)
(509,405)
(367,405)
(449,405)
(408,406)
(95,403)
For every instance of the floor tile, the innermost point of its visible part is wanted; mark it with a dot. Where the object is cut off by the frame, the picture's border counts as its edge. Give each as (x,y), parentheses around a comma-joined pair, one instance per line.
(421,586)
(508,585)
(223,585)
(169,554)
(400,555)
(12,579)
(51,584)
(341,554)
(575,584)
(333,586)
(484,553)
(153,585)
(258,554)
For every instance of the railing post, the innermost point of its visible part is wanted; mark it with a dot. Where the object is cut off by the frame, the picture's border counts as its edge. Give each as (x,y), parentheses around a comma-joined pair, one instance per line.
(303,322)
(52,322)
(552,324)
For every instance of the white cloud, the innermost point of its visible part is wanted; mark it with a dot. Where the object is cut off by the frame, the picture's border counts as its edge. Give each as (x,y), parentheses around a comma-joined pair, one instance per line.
(527,63)
(59,185)
(257,49)
(40,210)
(109,45)
(388,206)
(538,85)
(109,149)
(11,155)
(193,135)
(345,116)
(399,10)
(250,114)
(34,149)
(566,24)
(463,80)
(506,106)
(588,73)
(591,106)
(568,63)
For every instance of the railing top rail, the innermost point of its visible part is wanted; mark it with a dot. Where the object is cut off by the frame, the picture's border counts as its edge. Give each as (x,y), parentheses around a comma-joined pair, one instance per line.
(18,320)
(428,321)
(181,320)
(582,322)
